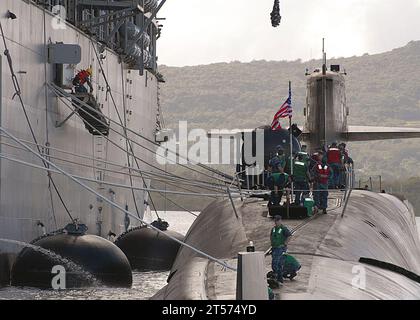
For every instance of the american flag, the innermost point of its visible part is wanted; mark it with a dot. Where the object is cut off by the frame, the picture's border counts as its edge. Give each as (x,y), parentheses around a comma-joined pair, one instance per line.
(284,112)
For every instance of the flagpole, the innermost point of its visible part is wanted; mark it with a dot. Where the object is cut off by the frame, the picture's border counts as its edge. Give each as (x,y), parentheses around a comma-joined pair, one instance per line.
(291,140)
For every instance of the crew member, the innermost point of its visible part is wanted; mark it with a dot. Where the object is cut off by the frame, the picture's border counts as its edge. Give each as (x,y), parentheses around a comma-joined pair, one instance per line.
(301,179)
(278,162)
(334,162)
(280,237)
(314,161)
(81,78)
(305,157)
(345,159)
(289,160)
(291,267)
(322,175)
(277,183)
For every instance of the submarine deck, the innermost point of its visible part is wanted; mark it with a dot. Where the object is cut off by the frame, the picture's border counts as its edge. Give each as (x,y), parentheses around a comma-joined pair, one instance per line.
(376,226)
(307,235)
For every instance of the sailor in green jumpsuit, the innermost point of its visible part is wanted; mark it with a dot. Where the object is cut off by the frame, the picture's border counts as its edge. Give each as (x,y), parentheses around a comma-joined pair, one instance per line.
(301,178)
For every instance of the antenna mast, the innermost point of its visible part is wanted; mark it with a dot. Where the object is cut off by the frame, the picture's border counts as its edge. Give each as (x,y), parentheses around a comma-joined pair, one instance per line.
(324,57)
(324,90)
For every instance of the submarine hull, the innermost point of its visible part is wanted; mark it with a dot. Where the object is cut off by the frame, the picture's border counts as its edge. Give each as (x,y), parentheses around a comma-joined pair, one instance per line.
(87,260)
(329,247)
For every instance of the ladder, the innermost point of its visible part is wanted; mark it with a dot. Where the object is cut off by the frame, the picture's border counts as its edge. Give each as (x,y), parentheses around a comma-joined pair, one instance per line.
(99,153)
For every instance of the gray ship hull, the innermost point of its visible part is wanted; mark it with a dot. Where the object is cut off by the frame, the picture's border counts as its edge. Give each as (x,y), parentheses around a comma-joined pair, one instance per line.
(25,196)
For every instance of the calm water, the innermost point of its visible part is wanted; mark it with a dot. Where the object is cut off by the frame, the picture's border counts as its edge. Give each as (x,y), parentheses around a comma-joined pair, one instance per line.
(145,284)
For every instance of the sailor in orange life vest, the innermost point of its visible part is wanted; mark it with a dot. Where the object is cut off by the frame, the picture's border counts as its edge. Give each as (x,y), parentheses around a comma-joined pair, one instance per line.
(81,78)
(334,161)
(322,175)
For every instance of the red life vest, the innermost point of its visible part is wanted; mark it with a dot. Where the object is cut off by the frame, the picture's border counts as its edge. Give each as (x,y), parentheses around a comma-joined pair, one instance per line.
(334,155)
(323,173)
(82,77)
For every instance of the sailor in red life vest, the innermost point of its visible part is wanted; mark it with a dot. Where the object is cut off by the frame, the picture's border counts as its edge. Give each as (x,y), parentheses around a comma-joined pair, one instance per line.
(346,161)
(335,163)
(81,78)
(322,175)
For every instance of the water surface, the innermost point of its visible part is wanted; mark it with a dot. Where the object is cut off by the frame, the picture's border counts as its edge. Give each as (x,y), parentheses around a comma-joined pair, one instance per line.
(145,284)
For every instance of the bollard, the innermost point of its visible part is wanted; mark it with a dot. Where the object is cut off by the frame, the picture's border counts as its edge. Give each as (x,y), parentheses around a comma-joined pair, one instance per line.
(251,281)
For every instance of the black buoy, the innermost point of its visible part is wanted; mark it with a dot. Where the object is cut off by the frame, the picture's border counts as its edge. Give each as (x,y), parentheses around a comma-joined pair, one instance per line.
(88,260)
(147,249)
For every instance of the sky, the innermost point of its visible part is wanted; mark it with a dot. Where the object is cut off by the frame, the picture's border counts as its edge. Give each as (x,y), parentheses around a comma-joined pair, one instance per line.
(209,31)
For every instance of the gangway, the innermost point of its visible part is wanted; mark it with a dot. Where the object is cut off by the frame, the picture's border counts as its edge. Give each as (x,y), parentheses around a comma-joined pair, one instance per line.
(93,119)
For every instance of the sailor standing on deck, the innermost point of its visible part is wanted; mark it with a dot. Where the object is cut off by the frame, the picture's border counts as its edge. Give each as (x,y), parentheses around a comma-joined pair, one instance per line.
(335,163)
(81,78)
(278,162)
(322,175)
(301,178)
(277,180)
(280,237)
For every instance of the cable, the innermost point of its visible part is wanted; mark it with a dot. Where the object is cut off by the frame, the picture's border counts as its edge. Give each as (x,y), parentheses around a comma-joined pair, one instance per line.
(63,94)
(127,144)
(119,147)
(149,140)
(94,167)
(60,94)
(222,263)
(113,184)
(46,110)
(149,174)
(18,93)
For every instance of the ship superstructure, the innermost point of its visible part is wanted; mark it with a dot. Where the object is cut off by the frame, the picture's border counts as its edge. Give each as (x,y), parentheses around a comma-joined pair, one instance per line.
(48,43)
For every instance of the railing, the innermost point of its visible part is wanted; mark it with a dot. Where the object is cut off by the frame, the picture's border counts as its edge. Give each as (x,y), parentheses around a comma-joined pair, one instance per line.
(371,183)
(349,187)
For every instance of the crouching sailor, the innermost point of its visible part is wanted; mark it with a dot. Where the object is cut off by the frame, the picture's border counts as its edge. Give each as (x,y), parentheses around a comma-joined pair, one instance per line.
(280,237)
(291,267)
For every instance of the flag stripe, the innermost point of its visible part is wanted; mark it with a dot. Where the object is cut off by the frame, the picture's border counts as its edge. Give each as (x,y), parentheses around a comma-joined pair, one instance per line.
(285,111)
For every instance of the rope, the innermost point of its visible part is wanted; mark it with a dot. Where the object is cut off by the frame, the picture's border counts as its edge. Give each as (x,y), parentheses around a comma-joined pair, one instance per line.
(93,166)
(115,205)
(18,93)
(46,111)
(125,128)
(149,174)
(113,184)
(62,94)
(115,144)
(127,144)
